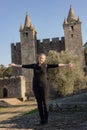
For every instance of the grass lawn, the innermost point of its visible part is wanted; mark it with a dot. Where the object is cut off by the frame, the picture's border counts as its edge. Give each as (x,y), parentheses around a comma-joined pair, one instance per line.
(31,112)
(1,108)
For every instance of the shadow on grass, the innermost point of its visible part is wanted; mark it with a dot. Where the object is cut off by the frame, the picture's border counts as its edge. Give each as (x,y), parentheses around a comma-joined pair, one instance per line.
(31,112)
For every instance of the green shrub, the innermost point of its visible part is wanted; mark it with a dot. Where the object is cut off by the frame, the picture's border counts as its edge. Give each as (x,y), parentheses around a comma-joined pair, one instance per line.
(66,80)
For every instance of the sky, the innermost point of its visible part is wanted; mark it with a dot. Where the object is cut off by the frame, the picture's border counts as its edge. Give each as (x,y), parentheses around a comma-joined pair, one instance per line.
(46,15)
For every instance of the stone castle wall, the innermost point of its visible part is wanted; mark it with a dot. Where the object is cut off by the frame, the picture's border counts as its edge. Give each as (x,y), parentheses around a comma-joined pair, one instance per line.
(46,45)
(16,58)
(43,46)
(13,87)
(16,53)
(73,38)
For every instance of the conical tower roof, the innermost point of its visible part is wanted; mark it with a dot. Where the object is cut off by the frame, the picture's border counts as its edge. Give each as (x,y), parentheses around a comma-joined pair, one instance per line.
(71,15)
(27,21)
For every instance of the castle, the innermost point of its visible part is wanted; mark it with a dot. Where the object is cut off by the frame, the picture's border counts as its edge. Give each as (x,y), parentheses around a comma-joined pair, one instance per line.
(29,47)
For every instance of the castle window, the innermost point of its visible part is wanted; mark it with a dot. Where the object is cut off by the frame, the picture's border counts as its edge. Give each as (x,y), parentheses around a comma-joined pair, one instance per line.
(5,93)
(72,28)
(26,34)
(72,35)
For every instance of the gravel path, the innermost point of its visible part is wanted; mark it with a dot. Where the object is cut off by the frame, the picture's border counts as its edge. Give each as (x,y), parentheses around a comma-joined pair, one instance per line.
(14,119)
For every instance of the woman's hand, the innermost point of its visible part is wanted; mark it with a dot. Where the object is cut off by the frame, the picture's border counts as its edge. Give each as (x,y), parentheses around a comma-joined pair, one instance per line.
(70,65)
(12,64)
(15,65)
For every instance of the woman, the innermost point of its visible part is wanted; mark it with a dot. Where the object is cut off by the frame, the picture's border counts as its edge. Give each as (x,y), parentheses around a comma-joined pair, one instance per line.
(40,84)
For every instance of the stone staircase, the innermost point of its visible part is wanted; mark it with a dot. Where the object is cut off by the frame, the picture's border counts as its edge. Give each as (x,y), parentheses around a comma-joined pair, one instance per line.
(5,102)
(75,102)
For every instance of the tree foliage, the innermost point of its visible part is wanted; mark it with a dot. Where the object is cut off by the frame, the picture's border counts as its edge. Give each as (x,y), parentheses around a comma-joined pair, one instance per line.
(66,80)
(5,72)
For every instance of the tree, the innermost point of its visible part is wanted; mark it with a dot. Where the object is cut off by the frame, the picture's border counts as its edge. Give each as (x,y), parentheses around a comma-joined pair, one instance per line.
(2,68)
(5,72)
(66,80)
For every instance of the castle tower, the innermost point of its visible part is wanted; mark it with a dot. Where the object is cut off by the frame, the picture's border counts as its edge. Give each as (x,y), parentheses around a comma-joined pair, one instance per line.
(73,33)
(28,51)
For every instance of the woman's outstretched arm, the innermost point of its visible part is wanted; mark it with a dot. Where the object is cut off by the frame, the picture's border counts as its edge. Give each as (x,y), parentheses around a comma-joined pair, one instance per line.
(15,65)
(59,65)
(66,65)
(29,66)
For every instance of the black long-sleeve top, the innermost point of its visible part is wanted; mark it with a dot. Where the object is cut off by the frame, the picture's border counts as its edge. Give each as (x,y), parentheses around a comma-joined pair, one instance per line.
(40,73)
(36,66)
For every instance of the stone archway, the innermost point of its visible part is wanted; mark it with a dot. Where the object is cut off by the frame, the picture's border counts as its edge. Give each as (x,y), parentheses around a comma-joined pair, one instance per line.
(5,93)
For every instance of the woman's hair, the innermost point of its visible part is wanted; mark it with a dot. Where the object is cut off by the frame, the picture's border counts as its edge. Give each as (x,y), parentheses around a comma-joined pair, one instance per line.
(42,54)
(39,56)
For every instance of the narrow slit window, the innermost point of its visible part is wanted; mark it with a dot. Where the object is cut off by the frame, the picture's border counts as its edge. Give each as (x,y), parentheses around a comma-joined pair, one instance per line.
(72,28)
(26,34)
(72,35)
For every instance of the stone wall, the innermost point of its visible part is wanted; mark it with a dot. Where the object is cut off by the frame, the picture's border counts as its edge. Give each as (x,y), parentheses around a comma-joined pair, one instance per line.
(16,53)
(73,37)
(13,87)
(71,103)
(16,58)
(25,53)
(46,45)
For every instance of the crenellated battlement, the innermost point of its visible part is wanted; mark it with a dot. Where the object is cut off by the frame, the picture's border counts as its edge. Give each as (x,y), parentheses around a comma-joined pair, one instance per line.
(49,40)
(43,46)
(51,44)
(15,46)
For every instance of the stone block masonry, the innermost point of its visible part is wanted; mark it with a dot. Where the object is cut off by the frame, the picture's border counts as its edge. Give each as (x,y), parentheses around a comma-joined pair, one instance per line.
(46,45)
(13,87)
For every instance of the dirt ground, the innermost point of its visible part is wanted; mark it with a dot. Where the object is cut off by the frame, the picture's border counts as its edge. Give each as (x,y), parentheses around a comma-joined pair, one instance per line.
(13,118)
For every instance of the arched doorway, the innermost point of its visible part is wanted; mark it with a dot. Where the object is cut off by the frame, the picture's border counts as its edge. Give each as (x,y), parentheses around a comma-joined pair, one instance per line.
(5,93)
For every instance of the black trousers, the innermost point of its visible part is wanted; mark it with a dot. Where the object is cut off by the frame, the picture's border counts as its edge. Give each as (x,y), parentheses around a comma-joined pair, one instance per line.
(41,95)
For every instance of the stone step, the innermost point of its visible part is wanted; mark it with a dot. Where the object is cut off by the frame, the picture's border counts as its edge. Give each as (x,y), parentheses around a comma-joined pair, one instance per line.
(9,101)
(56,107)
(75,102)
